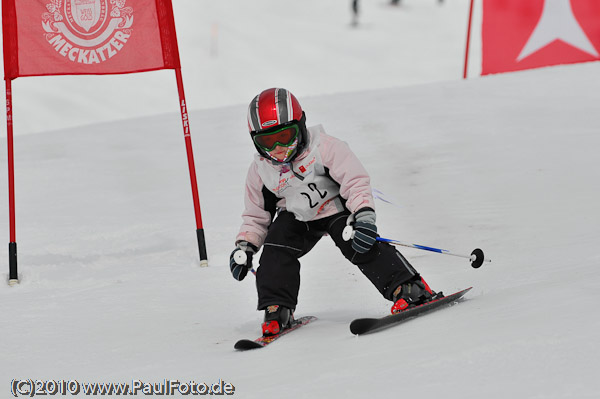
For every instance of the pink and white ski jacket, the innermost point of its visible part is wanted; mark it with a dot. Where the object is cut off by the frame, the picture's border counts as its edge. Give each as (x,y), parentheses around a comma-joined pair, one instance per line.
(310,187)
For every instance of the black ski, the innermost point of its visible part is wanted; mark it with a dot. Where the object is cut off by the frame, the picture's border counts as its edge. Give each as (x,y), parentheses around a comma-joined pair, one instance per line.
(261,342)
(369,325)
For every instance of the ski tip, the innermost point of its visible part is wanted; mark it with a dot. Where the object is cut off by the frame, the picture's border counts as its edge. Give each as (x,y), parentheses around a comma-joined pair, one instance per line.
(246,344)
(360,326)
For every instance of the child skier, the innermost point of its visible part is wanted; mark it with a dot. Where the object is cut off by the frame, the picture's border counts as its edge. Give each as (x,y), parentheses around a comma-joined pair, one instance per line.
(302,185)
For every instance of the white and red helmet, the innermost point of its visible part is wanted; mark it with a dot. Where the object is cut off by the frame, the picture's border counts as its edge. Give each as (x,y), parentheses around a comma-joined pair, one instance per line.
(272,110)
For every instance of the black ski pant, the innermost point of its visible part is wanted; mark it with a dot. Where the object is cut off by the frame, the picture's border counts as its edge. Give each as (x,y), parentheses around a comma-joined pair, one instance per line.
(288,239)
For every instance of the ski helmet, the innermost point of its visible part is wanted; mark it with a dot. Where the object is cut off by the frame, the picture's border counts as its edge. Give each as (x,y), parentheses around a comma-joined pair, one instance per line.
(275,117)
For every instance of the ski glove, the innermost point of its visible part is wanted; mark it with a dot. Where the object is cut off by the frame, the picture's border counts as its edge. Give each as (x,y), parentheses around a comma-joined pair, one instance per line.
(365,230)
(239,271)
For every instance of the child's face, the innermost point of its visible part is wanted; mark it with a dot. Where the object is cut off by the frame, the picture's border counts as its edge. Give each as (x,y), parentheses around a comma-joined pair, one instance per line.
(283,153)
(279,153)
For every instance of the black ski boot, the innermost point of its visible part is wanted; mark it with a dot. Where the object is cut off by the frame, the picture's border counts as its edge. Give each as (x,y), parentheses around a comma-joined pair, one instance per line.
(277,319)
(413,293)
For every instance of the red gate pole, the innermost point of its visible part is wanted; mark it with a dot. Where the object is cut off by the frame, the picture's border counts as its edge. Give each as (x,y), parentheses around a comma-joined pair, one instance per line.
(468,39)
(190,157)
(13,276)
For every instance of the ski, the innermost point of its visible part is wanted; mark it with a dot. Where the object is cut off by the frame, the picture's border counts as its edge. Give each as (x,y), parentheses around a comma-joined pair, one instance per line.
(261,342)
(369,325)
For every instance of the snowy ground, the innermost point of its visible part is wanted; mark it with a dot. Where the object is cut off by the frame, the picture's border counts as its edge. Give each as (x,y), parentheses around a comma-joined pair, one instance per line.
(228,56)
(111,288)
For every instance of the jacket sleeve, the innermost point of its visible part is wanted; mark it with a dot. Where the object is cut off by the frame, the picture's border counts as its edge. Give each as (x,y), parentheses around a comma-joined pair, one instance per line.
(260,207)
(347,170)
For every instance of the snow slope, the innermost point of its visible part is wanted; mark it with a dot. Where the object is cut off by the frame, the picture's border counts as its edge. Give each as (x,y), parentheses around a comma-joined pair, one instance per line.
(111,288)
(230,51)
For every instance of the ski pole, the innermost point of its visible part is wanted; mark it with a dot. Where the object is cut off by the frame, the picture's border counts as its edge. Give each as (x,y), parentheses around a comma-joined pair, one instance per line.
(476,258)
(240,258)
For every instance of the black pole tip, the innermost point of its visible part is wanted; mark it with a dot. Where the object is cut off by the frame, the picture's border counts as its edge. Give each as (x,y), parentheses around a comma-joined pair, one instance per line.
(13,275)
(202,247)
(478,261)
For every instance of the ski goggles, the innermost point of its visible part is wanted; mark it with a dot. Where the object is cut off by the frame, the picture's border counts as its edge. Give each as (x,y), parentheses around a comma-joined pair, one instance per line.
(283,136)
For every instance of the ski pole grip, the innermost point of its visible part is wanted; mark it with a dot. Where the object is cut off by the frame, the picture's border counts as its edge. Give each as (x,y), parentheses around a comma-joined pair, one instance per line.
(240,257)
(348,233)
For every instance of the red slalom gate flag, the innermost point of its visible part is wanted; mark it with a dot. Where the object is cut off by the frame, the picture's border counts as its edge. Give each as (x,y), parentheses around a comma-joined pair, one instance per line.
(524,34)
(89,37)
(71,37)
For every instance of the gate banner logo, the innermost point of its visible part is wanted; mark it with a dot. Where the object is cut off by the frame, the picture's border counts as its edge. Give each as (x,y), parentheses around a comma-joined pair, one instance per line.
(518,34)
(83,37)
(87,13)
(86,31)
